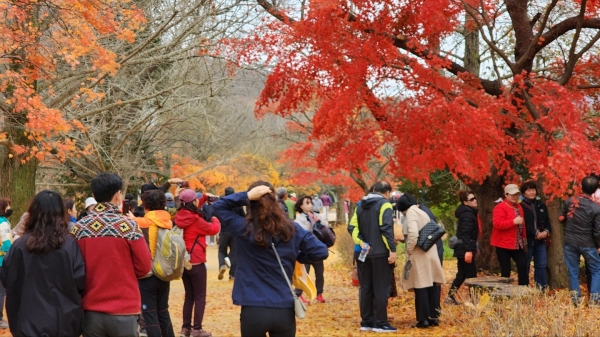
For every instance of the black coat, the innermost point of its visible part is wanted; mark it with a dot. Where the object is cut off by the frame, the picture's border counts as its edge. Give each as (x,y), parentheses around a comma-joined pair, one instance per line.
(467,230)
(582,216)
(43,291)
(543,220)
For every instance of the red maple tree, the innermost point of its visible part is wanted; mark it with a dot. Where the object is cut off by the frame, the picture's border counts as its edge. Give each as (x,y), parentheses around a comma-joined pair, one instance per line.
(531,114)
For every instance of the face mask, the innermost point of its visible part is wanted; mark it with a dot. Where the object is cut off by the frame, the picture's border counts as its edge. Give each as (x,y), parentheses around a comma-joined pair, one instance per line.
(9,212)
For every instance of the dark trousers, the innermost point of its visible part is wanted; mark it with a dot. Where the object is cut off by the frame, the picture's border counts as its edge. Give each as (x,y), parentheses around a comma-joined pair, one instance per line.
(427,303)
(465,271)
(257,321)
(155,307)
(538,252)
(226,241)
(520,258)
(99,324)
(374,276)
(194,283)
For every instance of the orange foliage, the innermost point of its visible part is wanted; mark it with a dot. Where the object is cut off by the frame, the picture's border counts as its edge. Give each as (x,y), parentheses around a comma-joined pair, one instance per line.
(34,43)
(239,173)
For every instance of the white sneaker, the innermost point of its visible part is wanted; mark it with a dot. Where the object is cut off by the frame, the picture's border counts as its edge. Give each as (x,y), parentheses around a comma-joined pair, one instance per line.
(3,324)
(227,262)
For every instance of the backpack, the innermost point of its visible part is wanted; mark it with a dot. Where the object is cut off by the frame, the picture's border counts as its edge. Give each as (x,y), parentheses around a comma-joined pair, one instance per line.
(324,233)
(170,255)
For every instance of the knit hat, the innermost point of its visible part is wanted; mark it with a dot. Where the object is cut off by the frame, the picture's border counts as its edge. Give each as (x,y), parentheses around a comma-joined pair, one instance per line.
(405,201)
(187,195)
(169,196)
(89,202)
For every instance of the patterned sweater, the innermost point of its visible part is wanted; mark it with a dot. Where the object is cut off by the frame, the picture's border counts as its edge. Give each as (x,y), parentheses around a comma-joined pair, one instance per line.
(115,255)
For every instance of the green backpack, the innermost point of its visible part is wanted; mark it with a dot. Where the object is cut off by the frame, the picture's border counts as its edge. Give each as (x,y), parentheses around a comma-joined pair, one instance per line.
(170,254)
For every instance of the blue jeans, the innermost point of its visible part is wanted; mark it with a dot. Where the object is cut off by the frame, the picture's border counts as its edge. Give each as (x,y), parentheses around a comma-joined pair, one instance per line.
(592,259)
(540,261)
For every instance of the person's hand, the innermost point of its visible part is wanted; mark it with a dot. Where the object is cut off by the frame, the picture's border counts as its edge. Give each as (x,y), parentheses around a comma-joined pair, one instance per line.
(178,191)
(518,220)
(175,180)
(545,234)
(258,191)
(392,258)
(130,215)
(598,250)
(469,257)
(210,195)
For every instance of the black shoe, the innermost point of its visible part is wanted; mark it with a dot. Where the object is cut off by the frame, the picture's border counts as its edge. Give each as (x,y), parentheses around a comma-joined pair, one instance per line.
(434,322)
(384,328)
(366,327)
(421,325)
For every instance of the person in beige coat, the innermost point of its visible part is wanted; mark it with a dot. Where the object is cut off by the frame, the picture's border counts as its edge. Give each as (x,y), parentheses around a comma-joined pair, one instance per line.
(426,270)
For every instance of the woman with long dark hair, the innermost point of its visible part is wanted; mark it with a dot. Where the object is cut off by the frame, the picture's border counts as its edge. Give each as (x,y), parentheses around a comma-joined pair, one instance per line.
(306,218)
(44,273)
(260,287)
(191,220)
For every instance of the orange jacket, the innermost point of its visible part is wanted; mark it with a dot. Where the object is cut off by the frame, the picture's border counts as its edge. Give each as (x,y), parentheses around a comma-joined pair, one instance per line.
(153,220)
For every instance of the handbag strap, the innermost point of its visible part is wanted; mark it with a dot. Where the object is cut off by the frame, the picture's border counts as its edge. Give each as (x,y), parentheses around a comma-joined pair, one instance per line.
(283,271)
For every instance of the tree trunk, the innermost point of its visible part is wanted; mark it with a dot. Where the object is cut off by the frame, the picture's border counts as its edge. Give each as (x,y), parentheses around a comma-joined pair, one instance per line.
(17,180)
(487,193)
(557,269)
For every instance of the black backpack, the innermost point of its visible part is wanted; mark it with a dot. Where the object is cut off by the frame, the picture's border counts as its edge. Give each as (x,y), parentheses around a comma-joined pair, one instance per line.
(324,233)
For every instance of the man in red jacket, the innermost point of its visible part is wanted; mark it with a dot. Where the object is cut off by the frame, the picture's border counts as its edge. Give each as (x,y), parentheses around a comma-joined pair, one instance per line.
(115,255)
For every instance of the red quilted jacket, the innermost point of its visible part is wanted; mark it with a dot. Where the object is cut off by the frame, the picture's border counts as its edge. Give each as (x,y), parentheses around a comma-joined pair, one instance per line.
(504,231)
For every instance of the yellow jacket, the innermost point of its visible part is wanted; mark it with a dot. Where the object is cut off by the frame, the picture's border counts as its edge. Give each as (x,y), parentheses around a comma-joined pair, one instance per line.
(153,220)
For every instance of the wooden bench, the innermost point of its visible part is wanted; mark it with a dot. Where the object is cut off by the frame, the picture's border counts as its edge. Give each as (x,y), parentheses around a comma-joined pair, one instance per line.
(498,287)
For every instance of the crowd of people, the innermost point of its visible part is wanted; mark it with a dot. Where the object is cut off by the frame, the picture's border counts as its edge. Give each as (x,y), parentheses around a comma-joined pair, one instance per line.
(93,274)
(99,266)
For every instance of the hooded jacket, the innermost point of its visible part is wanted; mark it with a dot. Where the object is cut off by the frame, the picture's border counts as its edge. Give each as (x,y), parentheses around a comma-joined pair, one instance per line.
(195,230)
(153,220)
(373,223)
(467,230)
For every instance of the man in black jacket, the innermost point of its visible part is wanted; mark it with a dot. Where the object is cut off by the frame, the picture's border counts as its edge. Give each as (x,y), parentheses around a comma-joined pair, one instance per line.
(373,229)
(582,237)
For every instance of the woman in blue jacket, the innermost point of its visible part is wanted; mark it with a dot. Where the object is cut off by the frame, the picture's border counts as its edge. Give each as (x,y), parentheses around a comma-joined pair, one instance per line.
(260,287)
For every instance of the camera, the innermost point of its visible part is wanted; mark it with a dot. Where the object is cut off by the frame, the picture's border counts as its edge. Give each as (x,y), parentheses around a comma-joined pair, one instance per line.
(184,184)
(213,199)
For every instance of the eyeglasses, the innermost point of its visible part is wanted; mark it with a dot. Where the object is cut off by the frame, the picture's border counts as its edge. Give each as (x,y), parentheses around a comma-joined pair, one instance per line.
(472,199)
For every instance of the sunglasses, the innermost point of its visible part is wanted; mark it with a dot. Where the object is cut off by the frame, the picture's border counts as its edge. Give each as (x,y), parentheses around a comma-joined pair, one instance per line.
(472,199)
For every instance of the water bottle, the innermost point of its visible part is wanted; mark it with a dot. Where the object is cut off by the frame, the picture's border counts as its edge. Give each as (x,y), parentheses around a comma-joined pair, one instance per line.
(363,253)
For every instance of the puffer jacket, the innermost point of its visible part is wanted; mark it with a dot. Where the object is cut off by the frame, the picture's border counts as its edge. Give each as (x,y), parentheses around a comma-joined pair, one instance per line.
(582,216)
(467,230)
(504,231)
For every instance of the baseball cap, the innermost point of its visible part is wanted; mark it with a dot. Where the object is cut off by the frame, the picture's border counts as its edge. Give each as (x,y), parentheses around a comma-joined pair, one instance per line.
(511,189)
(90,201)
(169,196)
(188,195)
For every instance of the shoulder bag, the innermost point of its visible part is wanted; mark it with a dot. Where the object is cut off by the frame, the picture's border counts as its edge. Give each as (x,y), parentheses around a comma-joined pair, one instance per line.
(299,307)
(429,235)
